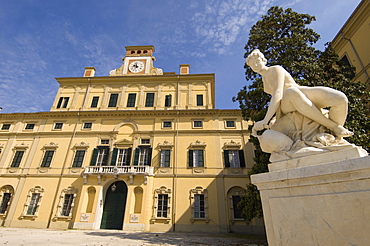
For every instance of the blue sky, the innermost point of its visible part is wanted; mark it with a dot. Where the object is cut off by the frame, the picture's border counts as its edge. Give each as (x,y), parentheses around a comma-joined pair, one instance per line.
(41,40)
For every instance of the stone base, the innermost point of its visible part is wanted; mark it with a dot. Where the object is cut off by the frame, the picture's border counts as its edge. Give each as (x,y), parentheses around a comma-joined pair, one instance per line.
(324,204)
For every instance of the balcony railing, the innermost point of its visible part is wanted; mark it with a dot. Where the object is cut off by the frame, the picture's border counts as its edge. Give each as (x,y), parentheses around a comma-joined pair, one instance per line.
(145,170)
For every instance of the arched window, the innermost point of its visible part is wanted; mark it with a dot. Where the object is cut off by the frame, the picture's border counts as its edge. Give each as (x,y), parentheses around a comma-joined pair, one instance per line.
(6,194)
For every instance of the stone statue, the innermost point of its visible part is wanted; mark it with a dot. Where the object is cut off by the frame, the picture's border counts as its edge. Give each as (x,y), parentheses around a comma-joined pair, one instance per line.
(301,124)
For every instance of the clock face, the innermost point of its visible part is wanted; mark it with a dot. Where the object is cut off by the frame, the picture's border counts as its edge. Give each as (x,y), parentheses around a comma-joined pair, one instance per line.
(136,66)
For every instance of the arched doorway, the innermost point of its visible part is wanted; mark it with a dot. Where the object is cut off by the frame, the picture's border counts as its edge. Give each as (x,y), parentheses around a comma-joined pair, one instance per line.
(114,206)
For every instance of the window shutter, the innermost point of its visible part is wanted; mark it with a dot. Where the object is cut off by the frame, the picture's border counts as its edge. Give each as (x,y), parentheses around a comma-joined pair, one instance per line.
(128,156)
(149,156)
(226,158)
(167,157)
(241,158)
(136,157)
(201,158)
(94,157)
(191,158)
(114,157)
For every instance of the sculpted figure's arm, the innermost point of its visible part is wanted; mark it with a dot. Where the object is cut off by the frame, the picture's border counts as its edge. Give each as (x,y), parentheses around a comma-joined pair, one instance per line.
(274,85)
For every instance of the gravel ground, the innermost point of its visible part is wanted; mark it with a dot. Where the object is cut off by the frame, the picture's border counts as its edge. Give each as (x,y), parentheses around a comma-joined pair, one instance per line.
(25,236)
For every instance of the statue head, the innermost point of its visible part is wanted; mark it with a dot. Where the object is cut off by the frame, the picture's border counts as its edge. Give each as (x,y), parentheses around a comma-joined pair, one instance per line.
(256,53)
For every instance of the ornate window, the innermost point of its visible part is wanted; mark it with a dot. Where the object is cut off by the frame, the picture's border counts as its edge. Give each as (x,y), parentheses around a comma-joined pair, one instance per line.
(233,155)
(33,202)
(165,150)
(66,203)
(19,151)
(49,150)
(235,194)
(80,151)
(196,154)
(199,204)
(6,194)
(162,202)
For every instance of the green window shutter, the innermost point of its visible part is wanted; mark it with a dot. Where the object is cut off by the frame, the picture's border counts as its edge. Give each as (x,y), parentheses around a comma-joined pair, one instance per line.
(94,157)
(128,158)
(226,158)
(114,157)
(241,158)
(190,158)
(136,156)
(167,157)
(149,157)
(201,158)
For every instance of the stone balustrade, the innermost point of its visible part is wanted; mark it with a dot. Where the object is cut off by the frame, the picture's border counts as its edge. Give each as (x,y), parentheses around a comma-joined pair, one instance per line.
(146,170)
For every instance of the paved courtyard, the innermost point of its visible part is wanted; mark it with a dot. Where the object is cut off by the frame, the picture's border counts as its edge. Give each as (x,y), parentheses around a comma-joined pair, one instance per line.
(24,236)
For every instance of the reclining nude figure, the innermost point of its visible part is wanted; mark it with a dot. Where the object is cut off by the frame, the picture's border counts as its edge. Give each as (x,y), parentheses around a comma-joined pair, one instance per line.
(288,96)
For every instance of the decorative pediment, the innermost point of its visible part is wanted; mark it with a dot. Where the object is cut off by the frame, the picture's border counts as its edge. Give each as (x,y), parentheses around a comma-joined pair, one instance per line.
(21,146)
(165,145)
(82,145)
(51,145)
(232,145)
(124,142)
(198,144)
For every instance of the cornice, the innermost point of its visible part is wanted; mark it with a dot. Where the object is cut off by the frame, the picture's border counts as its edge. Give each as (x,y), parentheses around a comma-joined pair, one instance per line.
(358,16)
(142,79)
(124,113)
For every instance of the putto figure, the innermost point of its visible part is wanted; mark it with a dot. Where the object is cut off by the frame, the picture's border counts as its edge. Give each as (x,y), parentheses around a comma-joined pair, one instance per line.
(298,107)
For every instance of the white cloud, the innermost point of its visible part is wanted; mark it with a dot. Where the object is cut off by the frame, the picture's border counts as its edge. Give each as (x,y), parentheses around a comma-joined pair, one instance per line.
(220,24)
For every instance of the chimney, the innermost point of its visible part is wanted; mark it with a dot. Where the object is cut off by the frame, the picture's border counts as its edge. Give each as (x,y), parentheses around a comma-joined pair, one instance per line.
(184,68)
(89,72)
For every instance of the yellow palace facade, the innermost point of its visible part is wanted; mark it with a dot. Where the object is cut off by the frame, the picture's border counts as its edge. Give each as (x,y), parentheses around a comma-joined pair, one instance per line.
(138,150)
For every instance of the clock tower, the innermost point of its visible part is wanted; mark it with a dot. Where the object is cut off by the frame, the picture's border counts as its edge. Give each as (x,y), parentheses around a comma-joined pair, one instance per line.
(138,61)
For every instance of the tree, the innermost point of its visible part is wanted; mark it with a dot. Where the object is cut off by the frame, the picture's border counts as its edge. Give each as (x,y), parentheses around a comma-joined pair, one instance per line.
(284,38)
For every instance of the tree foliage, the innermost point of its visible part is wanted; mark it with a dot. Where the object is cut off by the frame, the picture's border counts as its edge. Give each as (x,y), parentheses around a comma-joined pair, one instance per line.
(284,38)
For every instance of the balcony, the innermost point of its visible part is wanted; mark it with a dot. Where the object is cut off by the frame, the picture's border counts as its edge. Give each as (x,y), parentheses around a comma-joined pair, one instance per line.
(116,170)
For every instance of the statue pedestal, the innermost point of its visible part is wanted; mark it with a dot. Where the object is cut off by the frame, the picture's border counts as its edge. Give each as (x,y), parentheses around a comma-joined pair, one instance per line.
(317,204)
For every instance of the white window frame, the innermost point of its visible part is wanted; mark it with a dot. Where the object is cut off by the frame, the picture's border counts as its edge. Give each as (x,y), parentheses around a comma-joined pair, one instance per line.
(122,157)
(143,156)
(199,191)
(162,191)
(198,127)
(234,158)
(87,128)
(101,156)
(166,122)
(6,130)
(55,126)
(29,124)
(35,190)
(68,191)
(233,127)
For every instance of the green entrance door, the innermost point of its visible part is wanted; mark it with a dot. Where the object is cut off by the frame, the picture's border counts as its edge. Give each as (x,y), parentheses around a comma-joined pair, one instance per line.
(114,206)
